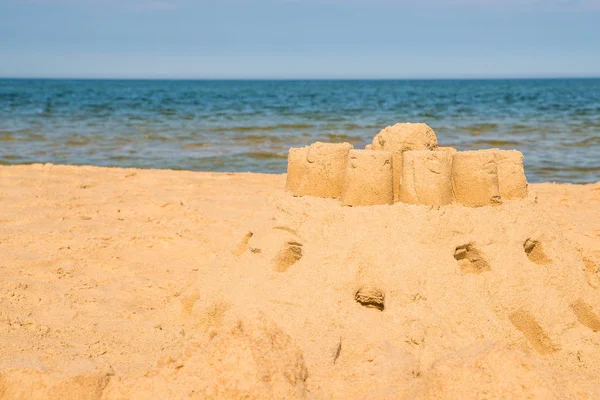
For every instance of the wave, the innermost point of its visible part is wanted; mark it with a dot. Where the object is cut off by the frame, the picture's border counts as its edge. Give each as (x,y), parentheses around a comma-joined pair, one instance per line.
(258,139)
(591,141)
(264,155)
(191,146)
(7,136)
(494,143)
(573,169)
(342,137)
(268,128)
(481,128)
(78,140)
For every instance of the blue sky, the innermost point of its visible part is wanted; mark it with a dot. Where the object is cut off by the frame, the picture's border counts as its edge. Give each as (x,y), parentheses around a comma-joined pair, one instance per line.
(299,38)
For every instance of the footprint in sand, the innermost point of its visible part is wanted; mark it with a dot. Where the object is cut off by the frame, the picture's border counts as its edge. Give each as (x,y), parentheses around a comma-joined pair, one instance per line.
(371,297)
(586,315)
(533,332)
(535,252)
(243,245)
(471,259)
(289,254)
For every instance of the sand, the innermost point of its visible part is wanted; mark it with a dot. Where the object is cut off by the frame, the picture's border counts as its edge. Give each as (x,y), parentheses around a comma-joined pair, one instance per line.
(124,283)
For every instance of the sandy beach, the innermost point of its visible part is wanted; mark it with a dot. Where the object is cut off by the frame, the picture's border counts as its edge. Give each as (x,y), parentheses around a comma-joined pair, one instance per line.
(118,283)
(303,200)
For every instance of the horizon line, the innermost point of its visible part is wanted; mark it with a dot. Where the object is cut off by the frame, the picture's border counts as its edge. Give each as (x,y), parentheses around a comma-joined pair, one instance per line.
(450,78)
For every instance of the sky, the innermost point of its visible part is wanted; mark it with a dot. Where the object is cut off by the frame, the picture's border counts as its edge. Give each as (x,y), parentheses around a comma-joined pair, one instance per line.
(297,39)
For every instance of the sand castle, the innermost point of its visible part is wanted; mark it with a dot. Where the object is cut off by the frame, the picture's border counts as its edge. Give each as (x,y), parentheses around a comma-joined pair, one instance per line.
(404,164)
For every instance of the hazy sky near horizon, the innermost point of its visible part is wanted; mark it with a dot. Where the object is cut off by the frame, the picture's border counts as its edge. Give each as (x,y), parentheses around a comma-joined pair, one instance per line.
(299,38)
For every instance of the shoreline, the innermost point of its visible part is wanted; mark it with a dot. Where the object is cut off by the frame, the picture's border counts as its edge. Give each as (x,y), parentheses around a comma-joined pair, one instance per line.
(167,170)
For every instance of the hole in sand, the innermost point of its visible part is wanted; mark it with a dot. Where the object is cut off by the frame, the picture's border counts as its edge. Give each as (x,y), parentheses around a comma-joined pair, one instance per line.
(535,251)
(241,247)
(533,332)
(471,259)
(370,297)
(585,315)
(289,254)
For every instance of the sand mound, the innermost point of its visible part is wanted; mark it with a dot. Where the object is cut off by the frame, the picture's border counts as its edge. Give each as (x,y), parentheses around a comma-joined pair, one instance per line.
(492,372)
(398,287)
(252,359)
(81,380)
(249,358)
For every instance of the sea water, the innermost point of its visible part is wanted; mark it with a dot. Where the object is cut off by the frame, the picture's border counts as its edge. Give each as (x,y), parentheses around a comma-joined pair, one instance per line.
(250,125)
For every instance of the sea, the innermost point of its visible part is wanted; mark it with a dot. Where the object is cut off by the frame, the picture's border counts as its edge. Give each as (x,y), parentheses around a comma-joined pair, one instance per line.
(249,125)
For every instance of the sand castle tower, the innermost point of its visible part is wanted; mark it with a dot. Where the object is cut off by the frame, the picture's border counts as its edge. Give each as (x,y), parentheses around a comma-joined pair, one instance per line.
(404,164)
(400,138)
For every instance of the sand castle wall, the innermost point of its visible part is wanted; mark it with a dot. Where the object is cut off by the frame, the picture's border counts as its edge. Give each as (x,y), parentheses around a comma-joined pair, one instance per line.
(475,178)
(421,172)
(511,174)
(368,179)
(400,138)
(318,170)
(426,177)
(450,150)
(296,169)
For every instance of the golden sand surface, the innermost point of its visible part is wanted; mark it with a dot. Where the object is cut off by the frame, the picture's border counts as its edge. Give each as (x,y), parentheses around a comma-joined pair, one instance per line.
(126,283)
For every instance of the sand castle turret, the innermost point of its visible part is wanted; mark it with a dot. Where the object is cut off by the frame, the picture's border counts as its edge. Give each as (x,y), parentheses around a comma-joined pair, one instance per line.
(404,164)
(426,177)
(512,182)
(368,178)
(475,178)
(400,138)
(318,170)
